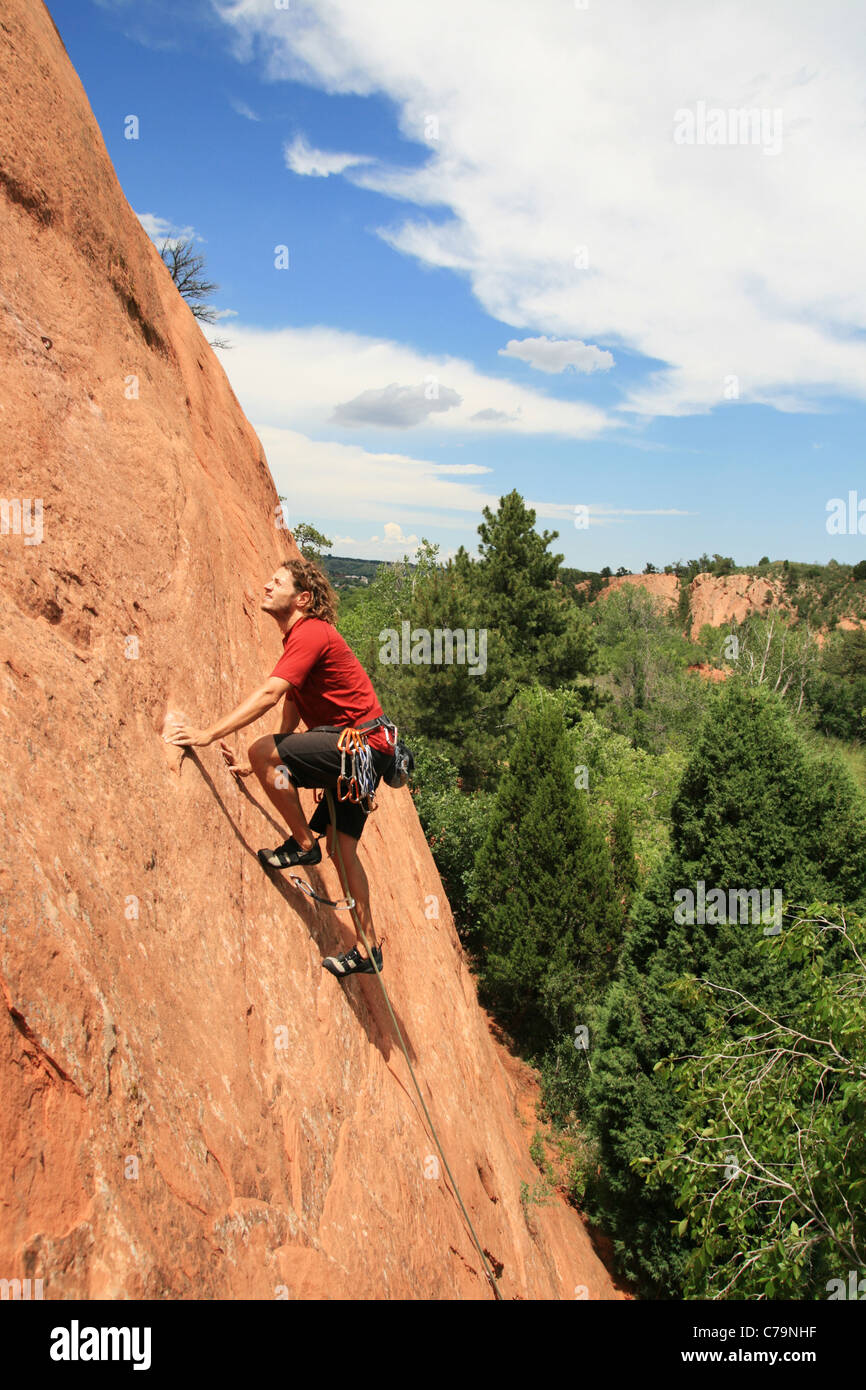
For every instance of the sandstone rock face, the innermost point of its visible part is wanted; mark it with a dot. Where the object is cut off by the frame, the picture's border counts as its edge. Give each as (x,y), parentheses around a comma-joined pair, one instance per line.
(714,599)
(719,599)
(190,1107)
(663,587)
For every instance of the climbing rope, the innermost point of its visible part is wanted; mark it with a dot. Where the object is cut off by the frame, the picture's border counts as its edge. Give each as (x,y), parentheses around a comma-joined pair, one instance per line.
(345,883)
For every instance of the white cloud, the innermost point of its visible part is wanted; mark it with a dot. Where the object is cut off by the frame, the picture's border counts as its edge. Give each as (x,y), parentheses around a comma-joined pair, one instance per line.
(394,537)
(573,211)
(301,158)
(323,478)
(299,378)
(160,229)
(243,110)
(397,407)
(555,354)
(489,416)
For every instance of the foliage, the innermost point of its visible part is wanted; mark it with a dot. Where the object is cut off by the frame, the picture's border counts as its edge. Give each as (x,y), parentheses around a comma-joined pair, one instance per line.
(837,696)
(780,654)
(754,810)
(455,824)
(545,895)
(309,541)
(768,1159)
(643,656)
(643,782)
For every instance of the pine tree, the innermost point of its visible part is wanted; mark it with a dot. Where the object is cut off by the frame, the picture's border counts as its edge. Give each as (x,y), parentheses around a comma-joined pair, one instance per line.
(622,854)
(548,914)
(547,639)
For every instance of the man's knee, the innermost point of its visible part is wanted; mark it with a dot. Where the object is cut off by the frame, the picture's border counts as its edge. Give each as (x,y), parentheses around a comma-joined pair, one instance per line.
(262,751)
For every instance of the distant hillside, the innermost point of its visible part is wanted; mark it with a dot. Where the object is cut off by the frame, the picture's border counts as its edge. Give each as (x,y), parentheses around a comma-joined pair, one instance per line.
(346,573)
(825,596)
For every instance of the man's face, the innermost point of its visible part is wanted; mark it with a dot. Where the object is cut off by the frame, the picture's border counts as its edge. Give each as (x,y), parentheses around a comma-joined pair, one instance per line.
(282,599)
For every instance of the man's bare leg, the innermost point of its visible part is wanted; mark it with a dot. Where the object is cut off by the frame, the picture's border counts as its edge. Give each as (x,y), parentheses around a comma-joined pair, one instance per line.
(265,762)
(358,886)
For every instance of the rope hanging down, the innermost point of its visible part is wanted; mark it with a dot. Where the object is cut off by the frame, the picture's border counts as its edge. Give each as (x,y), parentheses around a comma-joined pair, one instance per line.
(345,883)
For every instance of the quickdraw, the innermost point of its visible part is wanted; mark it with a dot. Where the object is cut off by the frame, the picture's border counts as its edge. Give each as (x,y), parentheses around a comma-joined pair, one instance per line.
(358,785)
(341,904)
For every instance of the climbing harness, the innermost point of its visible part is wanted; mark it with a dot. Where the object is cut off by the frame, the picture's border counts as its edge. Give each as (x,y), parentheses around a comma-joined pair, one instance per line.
(357,780)
(360,782)
(345,883)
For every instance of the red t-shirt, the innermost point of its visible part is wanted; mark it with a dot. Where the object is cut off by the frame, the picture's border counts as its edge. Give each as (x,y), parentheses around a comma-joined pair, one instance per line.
(329,684)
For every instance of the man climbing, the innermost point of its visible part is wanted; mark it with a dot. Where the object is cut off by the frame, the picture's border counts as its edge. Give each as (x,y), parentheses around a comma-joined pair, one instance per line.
(321,681)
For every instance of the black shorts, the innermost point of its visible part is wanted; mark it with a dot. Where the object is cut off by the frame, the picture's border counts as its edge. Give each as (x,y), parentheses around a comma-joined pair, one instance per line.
(313,760)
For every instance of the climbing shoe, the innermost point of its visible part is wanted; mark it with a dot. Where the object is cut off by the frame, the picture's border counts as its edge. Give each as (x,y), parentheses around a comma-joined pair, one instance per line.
(353,963)
(286,855)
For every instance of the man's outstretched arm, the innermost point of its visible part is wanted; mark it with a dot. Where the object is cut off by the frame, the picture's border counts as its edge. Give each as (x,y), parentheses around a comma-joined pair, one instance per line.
(252,708)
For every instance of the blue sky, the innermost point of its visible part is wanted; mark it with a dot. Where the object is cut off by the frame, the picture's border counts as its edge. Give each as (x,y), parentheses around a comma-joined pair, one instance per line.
(528,248)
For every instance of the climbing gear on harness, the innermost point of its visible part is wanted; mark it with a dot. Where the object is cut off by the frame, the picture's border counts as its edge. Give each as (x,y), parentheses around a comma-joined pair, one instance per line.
(353,963)
(377,967)
(289,853)
(351,787)
(360,786)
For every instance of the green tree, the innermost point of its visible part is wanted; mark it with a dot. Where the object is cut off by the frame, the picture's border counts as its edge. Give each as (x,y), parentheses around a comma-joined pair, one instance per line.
(643,657)
(461,706)
(625,875)
(546,640)
(754,811)
(455,823)
(545,896)
(837,691)
(768,1160)
(309,541)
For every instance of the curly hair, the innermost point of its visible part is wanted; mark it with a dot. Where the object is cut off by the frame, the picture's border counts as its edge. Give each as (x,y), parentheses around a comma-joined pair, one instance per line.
(308,576)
